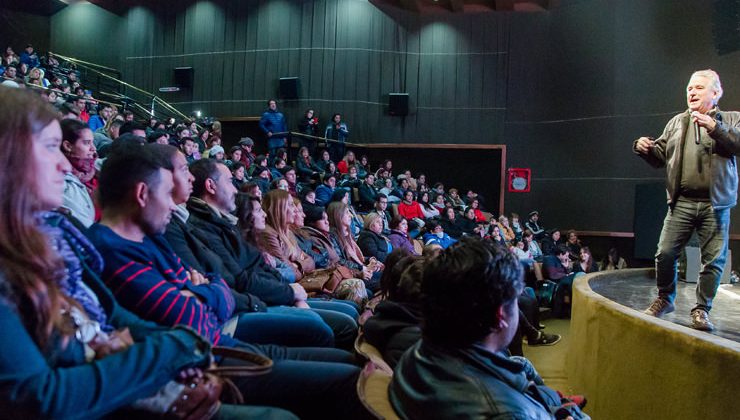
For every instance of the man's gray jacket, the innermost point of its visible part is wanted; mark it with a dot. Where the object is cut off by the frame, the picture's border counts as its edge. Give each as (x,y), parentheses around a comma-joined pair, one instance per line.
(668,152)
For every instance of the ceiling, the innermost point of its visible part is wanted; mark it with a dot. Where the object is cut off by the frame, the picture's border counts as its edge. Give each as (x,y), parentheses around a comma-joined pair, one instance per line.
(49,7)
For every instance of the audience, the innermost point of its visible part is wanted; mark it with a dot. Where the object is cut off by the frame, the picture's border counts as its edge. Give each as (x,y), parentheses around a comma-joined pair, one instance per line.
(460,368)
(238,269)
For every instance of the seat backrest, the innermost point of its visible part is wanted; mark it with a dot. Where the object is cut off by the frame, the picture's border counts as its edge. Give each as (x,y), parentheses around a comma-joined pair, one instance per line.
(372,389)
(371,353)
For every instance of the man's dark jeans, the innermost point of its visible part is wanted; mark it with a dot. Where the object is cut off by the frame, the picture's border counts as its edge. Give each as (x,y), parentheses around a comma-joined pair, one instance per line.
(712,228)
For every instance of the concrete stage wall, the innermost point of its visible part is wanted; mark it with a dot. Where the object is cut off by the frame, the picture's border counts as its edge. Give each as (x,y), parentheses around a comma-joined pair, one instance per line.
(633,366)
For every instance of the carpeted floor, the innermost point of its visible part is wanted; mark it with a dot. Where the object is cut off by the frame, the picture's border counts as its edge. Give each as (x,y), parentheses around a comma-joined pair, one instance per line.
(550,360)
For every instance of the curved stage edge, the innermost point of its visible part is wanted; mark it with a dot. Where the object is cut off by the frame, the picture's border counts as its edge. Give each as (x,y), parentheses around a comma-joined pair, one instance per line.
(634,366)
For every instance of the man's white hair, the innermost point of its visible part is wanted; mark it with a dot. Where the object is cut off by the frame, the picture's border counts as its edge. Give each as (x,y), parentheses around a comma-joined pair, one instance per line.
(713,81)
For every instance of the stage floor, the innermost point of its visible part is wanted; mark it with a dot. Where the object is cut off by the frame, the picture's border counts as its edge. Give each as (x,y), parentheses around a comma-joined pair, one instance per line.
(637,292)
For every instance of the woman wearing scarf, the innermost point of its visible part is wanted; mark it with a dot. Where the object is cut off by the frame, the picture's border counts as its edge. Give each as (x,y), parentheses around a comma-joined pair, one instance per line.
(80,184)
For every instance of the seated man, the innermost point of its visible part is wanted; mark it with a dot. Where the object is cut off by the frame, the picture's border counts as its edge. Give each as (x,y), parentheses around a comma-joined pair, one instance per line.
(258,323)
(436,235)
(150,280)
(459,368)
(381,208)
(559,268)
(210,208)
(368,194)
(325,190)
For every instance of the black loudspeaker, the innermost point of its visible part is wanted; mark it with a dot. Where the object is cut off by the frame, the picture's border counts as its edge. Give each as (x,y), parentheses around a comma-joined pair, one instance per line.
(398,104)
(289,87)
(650,210)
(183,77)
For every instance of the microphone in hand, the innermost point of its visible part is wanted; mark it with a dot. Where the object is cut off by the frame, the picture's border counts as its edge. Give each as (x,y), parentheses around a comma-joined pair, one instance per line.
(697,133)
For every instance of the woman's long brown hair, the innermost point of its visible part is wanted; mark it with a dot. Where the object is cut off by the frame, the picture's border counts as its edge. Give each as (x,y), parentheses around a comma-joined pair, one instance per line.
(276,204)
(335,211)
(26,258)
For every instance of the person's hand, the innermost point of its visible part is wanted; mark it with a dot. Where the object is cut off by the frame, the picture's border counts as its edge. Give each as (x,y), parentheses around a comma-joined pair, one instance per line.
(299,292)
(643,145)
(196,278)
(703,120)
(367,273)
(188,293)
(301,304)
(117,341)
(200,397)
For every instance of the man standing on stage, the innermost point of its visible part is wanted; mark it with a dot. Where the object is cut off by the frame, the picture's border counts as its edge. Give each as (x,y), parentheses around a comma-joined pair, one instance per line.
(274,126)
(698,149)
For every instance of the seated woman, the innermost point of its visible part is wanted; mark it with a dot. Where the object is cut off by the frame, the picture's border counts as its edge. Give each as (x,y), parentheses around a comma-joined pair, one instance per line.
(279,241)
(347,162)
(451,224)
(363,167)
(399,235)
(440,203)
(479,217)
(306,169)
(323,163)
(276,238)
(70,351)
(342,195)
(586,262)
(427,208)
(351,179)
(551,241)
(80,183)
(411,210)
(371,240)
(314,239)
(387,189)
(468,224)
(613,261)
(350,255)
(331,170)
(532,246)
(506,230)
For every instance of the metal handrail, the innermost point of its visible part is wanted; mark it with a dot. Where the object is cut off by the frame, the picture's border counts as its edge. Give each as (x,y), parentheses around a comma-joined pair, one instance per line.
(125,99)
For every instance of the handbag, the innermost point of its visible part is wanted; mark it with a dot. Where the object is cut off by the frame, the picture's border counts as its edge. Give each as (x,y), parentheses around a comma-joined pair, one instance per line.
(315,281)
(199,398)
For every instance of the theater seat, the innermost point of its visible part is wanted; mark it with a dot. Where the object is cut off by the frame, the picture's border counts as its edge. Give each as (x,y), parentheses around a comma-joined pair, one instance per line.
(372,388)
(372,354)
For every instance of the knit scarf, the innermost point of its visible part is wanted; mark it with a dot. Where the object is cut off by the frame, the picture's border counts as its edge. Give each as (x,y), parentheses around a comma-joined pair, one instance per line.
(72,246)
(84,170)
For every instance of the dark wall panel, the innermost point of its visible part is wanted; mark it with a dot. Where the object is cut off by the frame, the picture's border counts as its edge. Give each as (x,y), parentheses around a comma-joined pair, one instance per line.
(348,54)
(89,33)
(18,29)
(567,90)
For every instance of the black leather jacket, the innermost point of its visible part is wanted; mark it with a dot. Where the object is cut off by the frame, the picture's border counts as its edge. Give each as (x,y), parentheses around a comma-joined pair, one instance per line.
(725,145)
(434,382)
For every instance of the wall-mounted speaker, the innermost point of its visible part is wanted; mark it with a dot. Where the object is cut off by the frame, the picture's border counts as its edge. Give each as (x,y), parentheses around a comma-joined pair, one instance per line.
(183,77)
(289,87)
(398,104)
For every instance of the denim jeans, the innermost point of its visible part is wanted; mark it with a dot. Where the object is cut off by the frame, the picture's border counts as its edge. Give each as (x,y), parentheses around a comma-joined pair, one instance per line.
(285,325)
(336,316)
(712,228)
(313,383)
(238,412)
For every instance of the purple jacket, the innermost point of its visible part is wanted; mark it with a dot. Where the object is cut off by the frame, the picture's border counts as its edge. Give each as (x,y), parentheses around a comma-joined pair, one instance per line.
(401,240)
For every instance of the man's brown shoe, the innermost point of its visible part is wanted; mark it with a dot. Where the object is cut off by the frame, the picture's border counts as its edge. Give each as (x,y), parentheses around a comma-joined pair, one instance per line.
(659,307)
(700,320)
